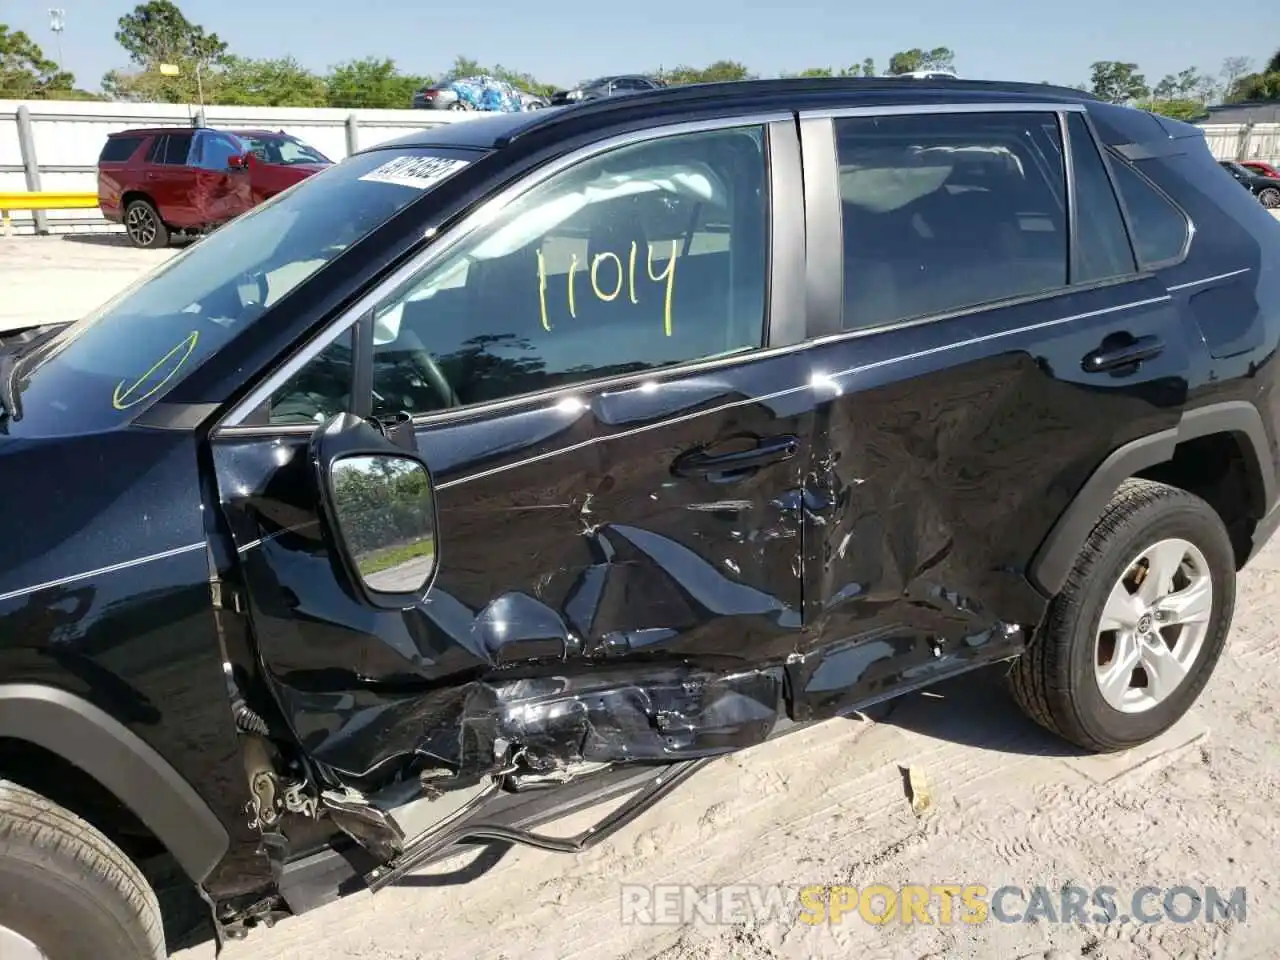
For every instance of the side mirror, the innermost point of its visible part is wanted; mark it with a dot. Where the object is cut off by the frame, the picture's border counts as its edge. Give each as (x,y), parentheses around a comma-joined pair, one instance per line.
(379,504)
(238,161)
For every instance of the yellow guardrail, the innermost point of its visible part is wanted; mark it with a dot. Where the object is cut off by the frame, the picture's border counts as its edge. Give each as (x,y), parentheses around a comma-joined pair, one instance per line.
(44,200)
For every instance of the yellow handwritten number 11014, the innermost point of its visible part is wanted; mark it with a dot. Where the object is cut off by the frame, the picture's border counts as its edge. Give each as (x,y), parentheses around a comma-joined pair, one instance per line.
(629,279)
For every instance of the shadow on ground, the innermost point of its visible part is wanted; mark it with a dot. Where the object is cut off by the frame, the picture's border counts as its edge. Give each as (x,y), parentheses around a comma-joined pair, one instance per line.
(116,240)
(98,239)
(974,710)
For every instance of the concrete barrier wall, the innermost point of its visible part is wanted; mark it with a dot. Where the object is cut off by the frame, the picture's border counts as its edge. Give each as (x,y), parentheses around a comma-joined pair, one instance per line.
(1243,141)
(66,137)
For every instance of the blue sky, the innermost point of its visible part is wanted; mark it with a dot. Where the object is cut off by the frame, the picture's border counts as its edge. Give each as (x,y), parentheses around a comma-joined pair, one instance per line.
(566,42)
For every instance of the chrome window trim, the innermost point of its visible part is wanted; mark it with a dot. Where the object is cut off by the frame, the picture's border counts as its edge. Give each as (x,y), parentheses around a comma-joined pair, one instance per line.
(477,219)
(909,109)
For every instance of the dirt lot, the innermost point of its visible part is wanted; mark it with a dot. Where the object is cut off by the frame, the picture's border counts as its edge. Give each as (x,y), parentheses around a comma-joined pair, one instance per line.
(828,806)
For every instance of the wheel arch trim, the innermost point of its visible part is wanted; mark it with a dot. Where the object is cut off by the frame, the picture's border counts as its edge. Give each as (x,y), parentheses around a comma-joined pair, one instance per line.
(1053,561)
(106,750)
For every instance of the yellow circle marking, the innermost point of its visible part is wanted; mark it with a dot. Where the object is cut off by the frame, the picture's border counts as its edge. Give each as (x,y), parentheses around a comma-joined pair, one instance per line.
(120,398)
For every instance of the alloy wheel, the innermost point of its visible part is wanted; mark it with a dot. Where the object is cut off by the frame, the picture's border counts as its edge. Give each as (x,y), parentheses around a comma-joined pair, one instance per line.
(1271,198)
(141,224)
(1153,626)
(14,946)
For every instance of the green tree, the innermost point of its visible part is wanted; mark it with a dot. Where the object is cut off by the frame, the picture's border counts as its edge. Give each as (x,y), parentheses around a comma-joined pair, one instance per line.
(280,82)
(1177,108)
(1117,82)
(1166,89)
(373,82)
(1263,85)
(720,71)
(467,67)
(868,67)
(907,61)
(464,67)
(157,32)
(25,72)
(1233,68)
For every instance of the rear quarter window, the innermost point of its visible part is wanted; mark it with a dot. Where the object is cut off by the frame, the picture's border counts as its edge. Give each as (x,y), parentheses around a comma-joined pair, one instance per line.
(1160,229)
(119,149)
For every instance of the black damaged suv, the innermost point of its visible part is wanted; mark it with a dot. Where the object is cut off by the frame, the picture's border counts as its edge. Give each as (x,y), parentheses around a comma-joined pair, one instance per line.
(537,459)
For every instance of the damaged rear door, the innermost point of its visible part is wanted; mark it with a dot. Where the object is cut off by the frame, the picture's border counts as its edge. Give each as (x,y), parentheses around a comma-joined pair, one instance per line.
(596,376)
(994,342)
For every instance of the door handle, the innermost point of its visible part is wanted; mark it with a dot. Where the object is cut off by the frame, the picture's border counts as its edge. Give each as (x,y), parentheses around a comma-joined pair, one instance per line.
(723,467)
(1127,354)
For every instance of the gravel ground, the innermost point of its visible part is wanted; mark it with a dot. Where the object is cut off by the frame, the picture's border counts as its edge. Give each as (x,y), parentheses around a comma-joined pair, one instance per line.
(1008,804)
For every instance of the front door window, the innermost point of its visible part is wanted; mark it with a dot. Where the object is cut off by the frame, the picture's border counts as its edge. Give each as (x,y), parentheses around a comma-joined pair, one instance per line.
(644,257)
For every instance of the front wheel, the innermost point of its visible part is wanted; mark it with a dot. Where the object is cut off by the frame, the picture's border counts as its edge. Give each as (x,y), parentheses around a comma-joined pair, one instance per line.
(66,891)
(1130,642)
(1270,198)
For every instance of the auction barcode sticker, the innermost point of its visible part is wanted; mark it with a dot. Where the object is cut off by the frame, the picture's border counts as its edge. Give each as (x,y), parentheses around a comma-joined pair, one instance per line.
(421,173)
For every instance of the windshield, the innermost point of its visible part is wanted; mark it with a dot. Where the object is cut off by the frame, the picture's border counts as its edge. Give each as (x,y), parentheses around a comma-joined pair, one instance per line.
(282,150)
(133,348)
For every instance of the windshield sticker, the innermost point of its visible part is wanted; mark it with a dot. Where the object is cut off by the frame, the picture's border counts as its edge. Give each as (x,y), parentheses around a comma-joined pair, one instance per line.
(608,277)
(124,397)
(421,173)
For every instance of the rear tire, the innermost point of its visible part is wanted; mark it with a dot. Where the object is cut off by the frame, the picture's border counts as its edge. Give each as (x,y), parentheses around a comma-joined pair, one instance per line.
(1073,680)
(68,890)
(143,224)
(1270,198)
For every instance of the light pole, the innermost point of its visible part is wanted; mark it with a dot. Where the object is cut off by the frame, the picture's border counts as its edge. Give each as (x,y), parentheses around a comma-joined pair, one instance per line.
(58,23)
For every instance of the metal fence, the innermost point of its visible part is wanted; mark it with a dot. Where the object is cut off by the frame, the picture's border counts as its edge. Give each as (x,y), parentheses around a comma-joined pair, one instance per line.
(1243,141)
(54,145)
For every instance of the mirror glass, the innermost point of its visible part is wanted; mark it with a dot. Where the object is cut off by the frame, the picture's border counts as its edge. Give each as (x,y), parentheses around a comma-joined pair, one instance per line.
(386,518)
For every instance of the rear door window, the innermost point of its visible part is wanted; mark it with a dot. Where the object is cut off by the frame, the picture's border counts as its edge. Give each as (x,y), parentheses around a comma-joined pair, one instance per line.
(944,212)
(176,149)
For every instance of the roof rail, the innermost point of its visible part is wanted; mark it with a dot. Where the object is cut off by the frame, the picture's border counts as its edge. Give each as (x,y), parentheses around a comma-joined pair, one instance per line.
(695,93)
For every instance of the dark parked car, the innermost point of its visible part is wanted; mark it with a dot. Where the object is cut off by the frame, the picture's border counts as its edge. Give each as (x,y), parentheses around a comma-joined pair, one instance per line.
(176,180)
(1263,187)
(525,462)
(605,87)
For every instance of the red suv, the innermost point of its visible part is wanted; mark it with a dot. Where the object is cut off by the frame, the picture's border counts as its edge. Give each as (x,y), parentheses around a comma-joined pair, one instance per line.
(181,180)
